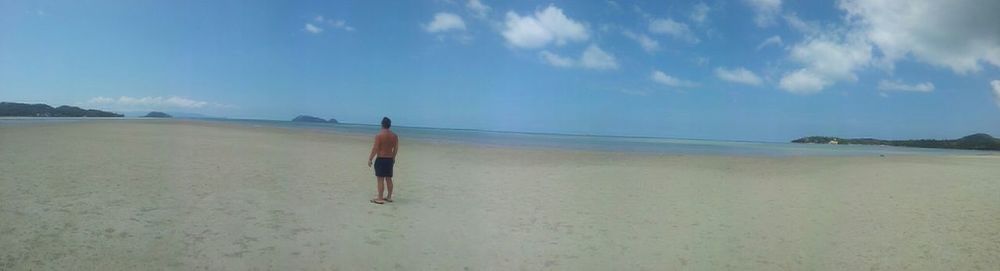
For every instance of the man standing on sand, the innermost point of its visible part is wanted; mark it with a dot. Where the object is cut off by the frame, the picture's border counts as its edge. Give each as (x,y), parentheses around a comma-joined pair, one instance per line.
(386,145)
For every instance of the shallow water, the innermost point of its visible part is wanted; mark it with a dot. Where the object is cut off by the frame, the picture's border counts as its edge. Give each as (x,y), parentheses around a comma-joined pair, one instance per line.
(645,145)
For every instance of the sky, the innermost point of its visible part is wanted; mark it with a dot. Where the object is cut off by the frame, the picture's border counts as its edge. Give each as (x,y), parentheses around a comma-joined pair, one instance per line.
(756,70)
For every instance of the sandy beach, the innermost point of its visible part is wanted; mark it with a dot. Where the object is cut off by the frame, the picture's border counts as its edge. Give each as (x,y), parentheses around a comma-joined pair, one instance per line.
(189,195)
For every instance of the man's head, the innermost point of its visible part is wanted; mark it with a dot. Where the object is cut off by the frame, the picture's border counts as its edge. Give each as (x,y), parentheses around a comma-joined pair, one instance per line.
(386,122)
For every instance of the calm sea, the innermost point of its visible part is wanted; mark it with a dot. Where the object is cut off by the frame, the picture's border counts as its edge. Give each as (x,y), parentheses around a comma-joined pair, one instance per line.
(646,145)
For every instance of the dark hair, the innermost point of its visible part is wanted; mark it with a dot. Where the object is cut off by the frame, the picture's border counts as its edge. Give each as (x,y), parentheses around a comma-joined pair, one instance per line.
(386,122)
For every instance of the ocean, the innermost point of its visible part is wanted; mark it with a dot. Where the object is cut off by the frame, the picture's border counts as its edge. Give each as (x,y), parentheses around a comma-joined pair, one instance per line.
(641,145)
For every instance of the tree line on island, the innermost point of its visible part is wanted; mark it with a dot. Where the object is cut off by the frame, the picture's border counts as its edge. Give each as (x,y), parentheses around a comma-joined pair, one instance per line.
(971,142)
(9,109)
(43,110)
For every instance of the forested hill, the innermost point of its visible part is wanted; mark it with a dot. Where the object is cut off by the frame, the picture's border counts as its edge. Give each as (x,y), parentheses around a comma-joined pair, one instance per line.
(43,110)
(971,142)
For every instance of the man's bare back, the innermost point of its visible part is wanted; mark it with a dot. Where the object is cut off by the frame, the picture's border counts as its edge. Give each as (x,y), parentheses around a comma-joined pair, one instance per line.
(385,144)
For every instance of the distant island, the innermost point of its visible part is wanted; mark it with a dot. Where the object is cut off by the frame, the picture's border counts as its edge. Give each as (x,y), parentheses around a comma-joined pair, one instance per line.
(156,114)
(307,118)
(8,109)
(971,142)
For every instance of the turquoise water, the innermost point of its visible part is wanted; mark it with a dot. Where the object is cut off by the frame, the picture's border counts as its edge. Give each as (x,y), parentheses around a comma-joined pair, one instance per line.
(645,145)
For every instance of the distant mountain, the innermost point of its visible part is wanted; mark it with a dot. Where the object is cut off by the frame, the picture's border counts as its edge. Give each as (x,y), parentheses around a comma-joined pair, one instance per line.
(44,110)
(307,118)
(174,114)
(156,114)
(971,142)
(332,120)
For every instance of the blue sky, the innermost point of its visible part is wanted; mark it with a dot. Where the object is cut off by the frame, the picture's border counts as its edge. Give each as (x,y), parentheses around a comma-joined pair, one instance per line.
(742,70)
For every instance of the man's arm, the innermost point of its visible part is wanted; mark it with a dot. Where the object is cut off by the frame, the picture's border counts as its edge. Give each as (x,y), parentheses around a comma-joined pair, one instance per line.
(396,148)
(372,154)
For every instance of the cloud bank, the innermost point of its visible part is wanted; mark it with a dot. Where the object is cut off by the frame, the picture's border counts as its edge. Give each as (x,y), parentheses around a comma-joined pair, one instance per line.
(738,75)
(149,103)
(896,85)
(667,80)
(592,58)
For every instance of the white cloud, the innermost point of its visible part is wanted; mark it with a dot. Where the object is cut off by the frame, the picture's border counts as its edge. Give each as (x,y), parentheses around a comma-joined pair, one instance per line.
(764,11)
(996,91)
(667,80)
(957,34)
(557,60)
(832,59)
(897,85)
(738,75)
(700,13)
(674,29)
(312,28)
(595,58)
(800,25)
(444,21)
(773,40)
(647,43)
(827,60)
(960,35)
(802,82)
(319,22)
(342,25)
(525,32)
(546,26)
(478,8)
(591,58)
(126,103)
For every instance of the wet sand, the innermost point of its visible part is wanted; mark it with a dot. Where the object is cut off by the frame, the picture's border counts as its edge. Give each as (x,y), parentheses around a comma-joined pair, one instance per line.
(171,194)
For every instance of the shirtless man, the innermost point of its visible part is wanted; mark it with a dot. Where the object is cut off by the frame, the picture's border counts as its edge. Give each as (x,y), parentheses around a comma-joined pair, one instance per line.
(386,145)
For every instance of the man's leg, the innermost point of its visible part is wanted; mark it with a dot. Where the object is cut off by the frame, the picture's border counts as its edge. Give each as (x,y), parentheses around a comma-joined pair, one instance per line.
(388,184)
(381,187)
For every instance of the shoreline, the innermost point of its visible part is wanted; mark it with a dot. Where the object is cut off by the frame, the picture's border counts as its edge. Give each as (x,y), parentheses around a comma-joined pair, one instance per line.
(654,146)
